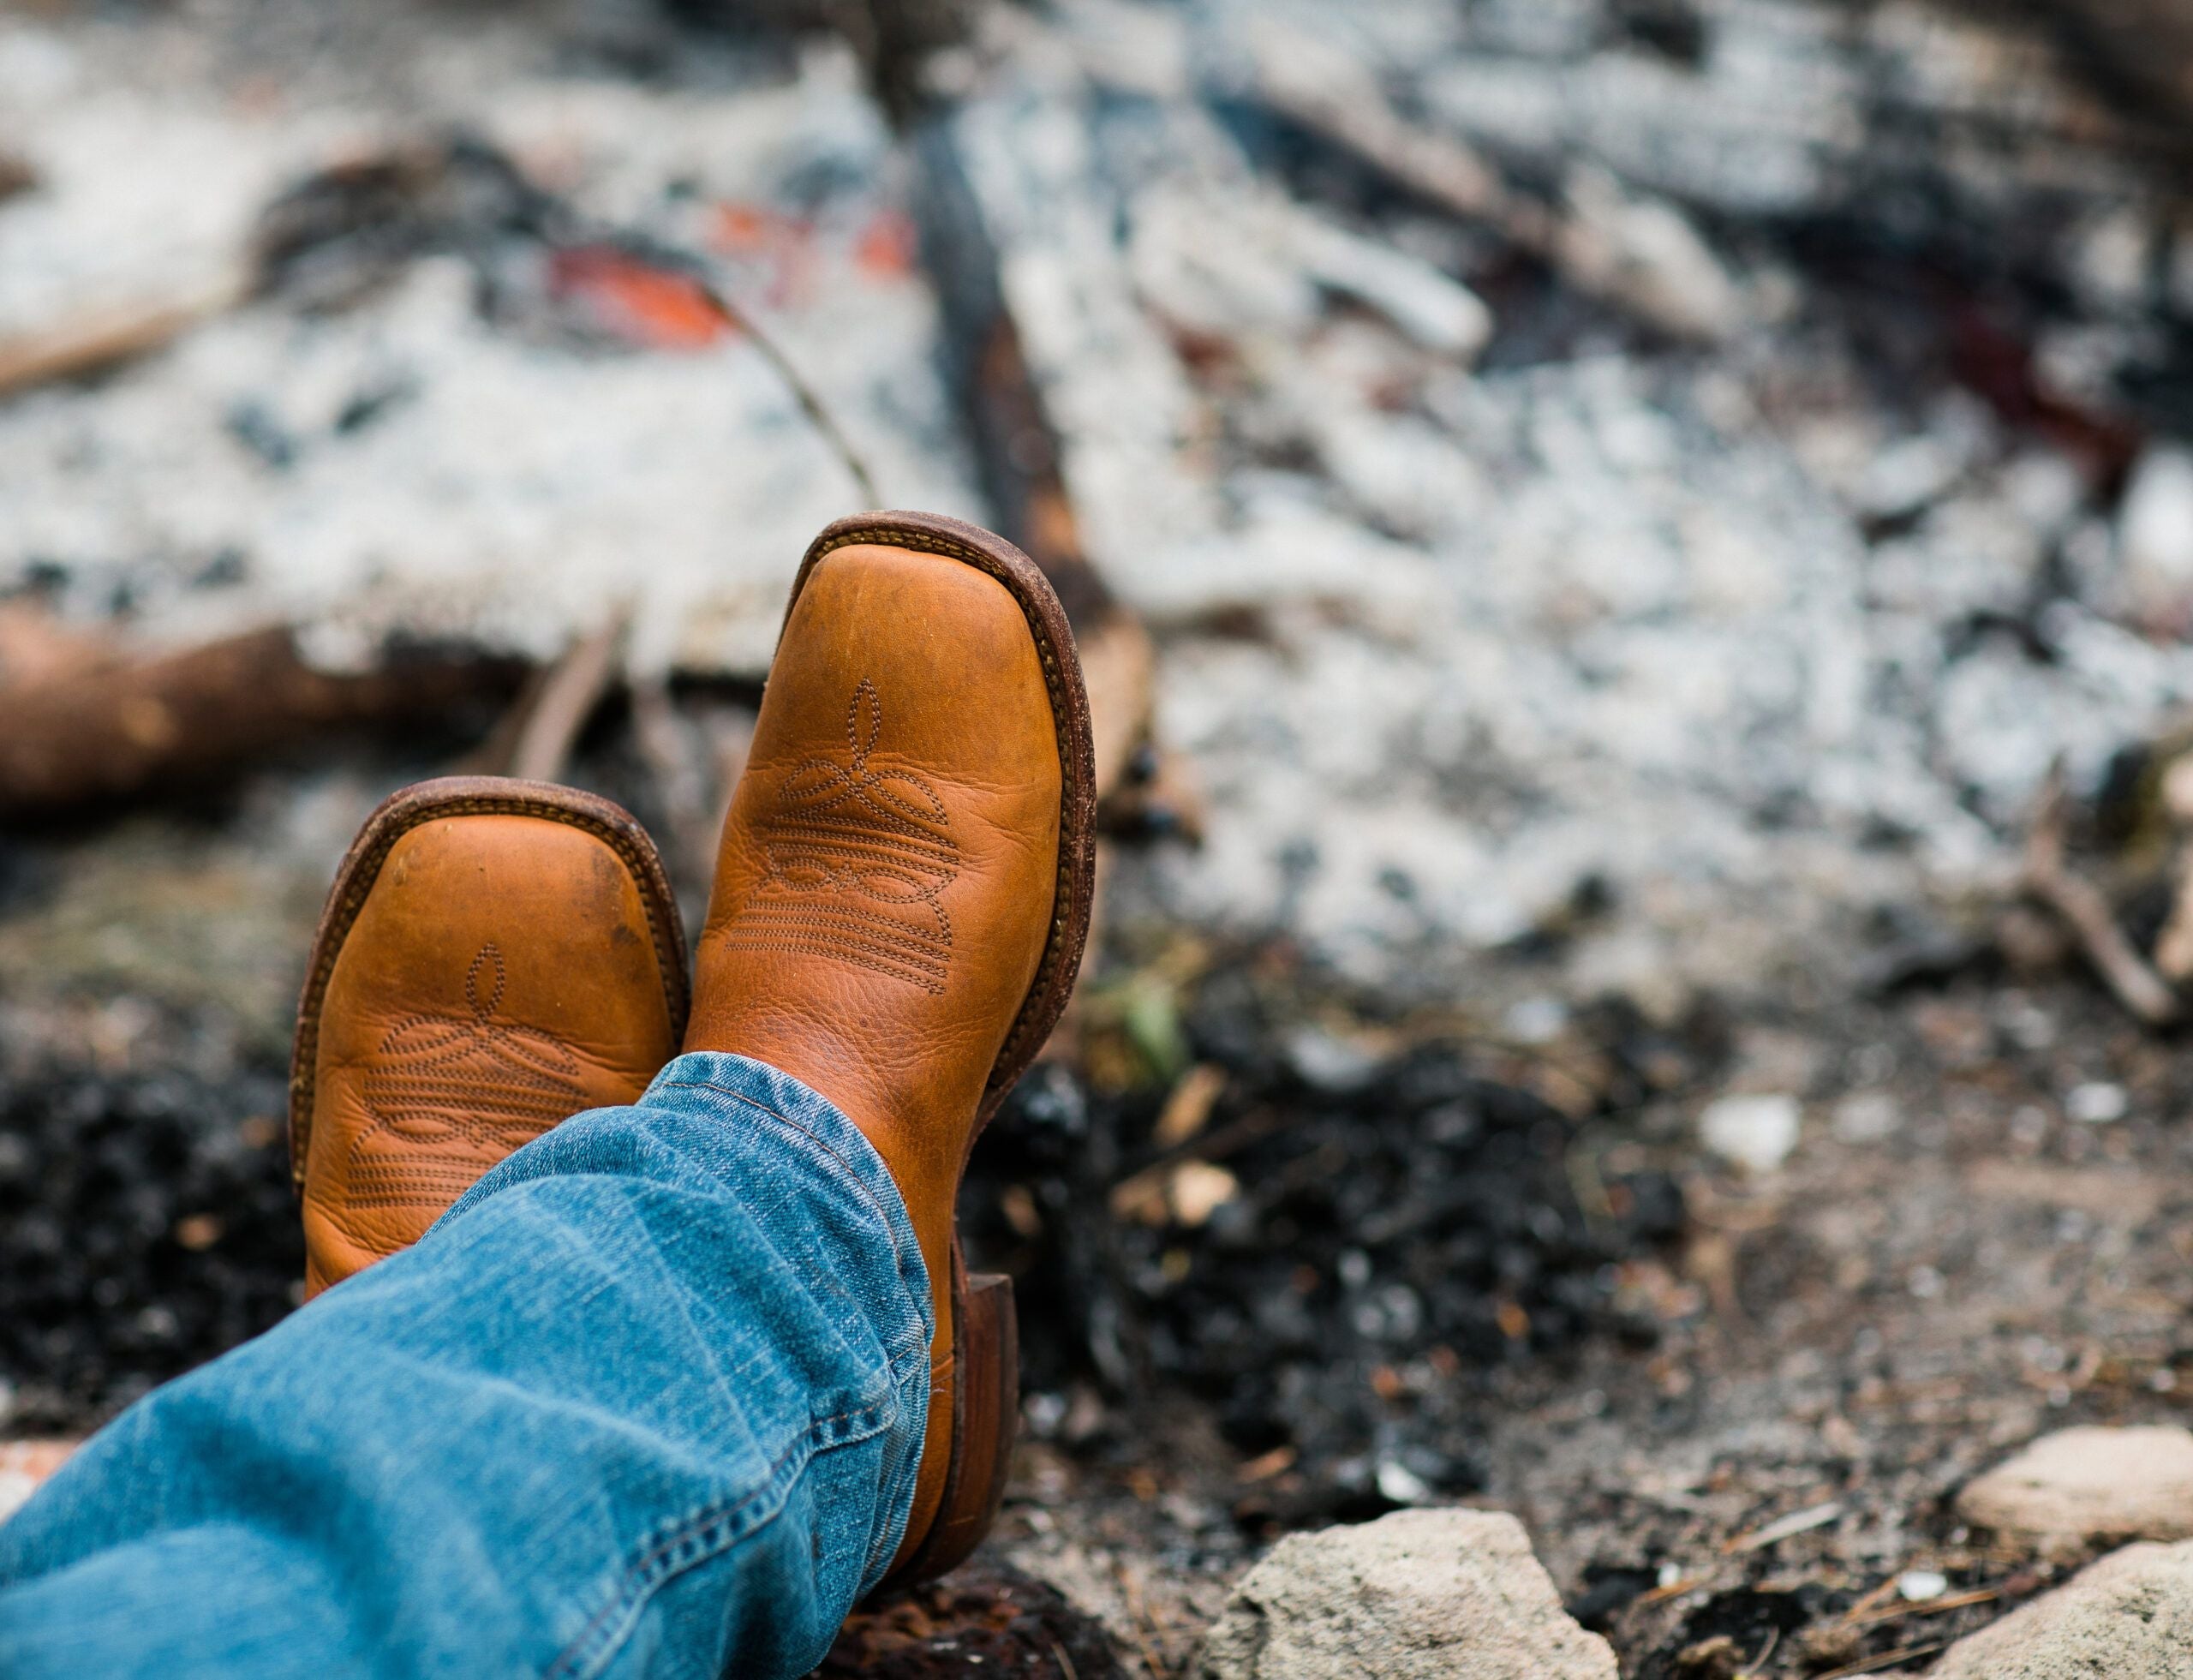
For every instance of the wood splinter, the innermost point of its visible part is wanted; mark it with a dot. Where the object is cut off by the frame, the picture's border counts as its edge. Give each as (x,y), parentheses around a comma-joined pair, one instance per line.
(2047,880)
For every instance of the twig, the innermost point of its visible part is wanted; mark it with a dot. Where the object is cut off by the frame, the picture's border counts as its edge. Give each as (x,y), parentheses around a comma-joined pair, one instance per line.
(1869,1602)
(1674,1589)
(2048,880)
(1212,1147)
(558,710)
(818,415)
(1139,1617)
(1786,1527)
(101,336)
(1874,1665)
(665,743)
(1065,1663)
(1931,1607)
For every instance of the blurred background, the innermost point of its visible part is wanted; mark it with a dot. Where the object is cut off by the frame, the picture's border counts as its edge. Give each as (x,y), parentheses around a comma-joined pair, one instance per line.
(1634,558)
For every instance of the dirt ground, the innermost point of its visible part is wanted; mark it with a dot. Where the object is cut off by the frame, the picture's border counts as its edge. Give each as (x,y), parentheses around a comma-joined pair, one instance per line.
(1651,1358)
(1948,1266)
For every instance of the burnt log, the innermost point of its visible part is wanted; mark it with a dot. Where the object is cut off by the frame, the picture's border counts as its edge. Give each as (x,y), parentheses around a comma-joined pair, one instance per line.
(114,727)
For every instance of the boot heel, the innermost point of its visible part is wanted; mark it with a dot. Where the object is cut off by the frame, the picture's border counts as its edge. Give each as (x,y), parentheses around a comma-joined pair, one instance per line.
(986,1417)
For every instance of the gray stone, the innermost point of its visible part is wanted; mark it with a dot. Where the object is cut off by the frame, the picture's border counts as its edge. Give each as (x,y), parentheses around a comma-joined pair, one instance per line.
(1418,1594)
(2155,534)
(1754,1130)
(2130,1615)
(2079,1484)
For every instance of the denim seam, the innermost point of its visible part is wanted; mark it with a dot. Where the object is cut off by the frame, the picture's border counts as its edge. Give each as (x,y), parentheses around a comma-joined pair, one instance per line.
(885,1545)
(608,1629)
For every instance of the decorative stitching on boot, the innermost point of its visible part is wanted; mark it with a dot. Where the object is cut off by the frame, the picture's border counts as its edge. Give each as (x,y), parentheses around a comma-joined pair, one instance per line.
(854,862)
(1068,904)
(449,1095)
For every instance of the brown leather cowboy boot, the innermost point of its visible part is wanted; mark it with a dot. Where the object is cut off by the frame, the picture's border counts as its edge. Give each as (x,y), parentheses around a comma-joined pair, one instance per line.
(900,908)
(495,957)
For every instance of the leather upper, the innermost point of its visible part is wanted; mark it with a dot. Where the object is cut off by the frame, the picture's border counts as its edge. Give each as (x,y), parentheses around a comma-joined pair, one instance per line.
(500,976)
(887,878)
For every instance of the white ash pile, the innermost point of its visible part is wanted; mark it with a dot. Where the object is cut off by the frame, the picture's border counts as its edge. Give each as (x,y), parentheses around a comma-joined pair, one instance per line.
(1638,482)
(432,422)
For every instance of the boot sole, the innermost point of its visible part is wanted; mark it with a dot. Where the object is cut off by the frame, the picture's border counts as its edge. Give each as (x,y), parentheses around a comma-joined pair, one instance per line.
(986,1394)
(472,796)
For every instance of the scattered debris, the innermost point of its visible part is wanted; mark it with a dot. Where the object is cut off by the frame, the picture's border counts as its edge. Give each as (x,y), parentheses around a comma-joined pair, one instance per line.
(985,1618)
(1413,1596)
(99,1299)
(1642,255)
(1417,1219)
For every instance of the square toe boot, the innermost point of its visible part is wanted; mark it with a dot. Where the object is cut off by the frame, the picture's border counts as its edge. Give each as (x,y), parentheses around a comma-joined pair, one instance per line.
(495,957)
(900,908)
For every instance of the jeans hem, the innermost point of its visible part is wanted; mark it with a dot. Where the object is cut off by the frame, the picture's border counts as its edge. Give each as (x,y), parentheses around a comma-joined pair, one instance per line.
(817,1126)
(705,1535)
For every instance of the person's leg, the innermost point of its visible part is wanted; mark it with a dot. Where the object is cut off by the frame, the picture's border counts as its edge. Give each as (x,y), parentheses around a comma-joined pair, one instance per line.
(666,1391)
(651,1398)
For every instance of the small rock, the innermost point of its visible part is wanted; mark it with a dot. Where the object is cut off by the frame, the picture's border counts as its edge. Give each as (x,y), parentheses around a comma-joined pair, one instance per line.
(1200,1190)
(1425,1594)
(1921,1585)
(2130,1615)
(2110,260)
(1327,1062)
(1536,1020)
(2154,533)
(1397,1482)
(2097,1104)
(2082,1484)
(1755,1132)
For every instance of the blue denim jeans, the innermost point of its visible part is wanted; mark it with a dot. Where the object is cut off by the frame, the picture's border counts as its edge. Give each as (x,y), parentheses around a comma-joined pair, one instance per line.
(649,1401)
